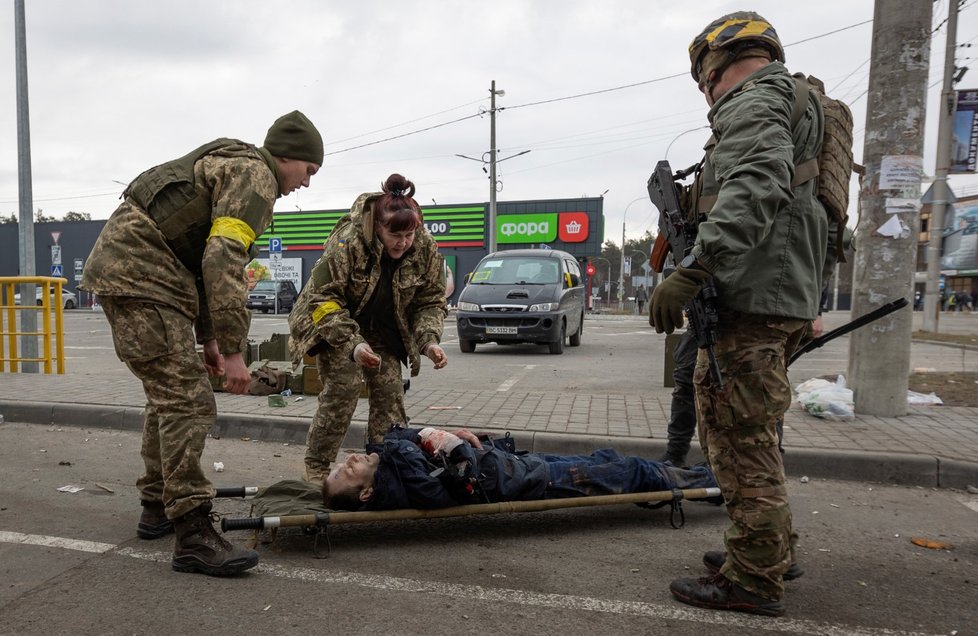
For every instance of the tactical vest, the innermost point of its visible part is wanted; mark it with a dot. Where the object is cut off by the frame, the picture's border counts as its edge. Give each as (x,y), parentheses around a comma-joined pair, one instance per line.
(180,210)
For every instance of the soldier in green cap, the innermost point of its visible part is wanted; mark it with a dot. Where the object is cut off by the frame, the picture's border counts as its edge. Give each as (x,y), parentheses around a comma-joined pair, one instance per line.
(169,271)
(764,242)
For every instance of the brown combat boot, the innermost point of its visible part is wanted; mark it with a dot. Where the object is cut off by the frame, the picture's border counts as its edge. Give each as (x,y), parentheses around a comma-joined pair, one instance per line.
(153,523)
(199,548)
(714,560)
(719,592)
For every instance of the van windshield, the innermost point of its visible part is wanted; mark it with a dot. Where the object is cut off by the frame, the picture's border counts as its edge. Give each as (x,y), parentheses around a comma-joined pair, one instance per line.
(517,270)
(265,286)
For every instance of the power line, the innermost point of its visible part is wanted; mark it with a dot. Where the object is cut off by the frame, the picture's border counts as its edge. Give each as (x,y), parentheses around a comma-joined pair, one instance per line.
(587,94)
(407,134)
(410,121)
(816,37)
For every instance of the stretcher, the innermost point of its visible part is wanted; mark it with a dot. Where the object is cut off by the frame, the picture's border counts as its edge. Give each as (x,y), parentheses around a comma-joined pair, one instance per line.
(317,521)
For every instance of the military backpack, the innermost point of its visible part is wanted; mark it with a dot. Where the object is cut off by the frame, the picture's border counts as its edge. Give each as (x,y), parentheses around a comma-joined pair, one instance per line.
(834,165)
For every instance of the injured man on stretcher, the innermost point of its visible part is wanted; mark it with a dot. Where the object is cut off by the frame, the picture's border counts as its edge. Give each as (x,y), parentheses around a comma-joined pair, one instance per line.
(430,468)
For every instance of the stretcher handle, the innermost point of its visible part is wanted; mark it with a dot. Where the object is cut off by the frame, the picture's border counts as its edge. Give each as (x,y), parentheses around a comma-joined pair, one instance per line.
(236,491)
(261,523)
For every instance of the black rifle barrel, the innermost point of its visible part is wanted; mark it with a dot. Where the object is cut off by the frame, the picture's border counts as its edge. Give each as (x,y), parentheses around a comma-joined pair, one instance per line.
(865,319)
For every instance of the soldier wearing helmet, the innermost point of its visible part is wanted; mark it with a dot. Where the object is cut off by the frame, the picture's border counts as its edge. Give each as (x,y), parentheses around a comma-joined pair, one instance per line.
(764,243)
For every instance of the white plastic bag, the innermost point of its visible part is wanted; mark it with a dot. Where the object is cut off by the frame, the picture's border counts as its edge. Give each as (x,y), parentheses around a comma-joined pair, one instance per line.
(923,398)
(828,400)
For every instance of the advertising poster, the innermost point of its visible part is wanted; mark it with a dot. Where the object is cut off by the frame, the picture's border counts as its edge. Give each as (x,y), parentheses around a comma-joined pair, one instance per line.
(960,250)
(288,269)
(964,137)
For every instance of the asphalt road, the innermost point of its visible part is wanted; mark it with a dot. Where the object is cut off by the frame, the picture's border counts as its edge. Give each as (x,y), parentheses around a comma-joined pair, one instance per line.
(71,564)
(615,357)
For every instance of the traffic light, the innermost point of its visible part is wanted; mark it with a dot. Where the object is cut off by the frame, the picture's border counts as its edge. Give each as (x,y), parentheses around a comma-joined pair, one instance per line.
(591,269)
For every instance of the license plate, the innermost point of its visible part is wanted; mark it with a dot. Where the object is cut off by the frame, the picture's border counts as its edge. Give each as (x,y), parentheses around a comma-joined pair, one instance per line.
(512,331)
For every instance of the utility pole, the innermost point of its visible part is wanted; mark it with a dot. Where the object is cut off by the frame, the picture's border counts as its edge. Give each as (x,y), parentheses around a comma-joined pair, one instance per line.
(25,225)
(492,165)
(885,257)
(942,191)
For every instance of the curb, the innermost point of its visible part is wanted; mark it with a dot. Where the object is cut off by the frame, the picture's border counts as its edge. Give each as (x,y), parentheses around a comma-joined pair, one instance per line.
(905,469)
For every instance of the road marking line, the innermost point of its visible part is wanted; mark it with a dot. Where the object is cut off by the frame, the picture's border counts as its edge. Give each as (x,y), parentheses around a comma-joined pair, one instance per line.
(494,595)
(516,377)
(967,502)
(55,542)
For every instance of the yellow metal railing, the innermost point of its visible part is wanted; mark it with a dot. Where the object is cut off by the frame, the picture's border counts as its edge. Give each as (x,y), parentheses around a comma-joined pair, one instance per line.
(8,321)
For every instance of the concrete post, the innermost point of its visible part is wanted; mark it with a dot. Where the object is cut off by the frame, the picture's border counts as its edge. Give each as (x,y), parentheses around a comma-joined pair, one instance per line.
(885,257)
(25,225)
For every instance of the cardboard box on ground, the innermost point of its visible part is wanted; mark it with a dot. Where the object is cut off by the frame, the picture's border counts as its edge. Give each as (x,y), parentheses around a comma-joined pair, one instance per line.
(274,353)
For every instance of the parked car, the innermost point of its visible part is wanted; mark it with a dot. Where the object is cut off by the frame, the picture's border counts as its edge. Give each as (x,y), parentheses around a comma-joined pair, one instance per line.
(262,296)
(68,299)
(530,295)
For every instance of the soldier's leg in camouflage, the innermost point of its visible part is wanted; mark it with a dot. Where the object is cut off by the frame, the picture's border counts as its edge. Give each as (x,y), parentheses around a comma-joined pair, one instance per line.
(739,425)
(153,522)
(337,402)
(682,415)
(386,399)
(158,346)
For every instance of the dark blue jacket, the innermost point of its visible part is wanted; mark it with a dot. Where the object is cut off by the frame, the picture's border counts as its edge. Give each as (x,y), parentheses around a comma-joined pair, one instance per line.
(404,477)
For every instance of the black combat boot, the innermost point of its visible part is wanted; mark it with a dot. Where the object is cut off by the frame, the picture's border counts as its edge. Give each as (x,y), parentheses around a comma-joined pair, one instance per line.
(153,523)
(199,548)
(719,592)
(714,560)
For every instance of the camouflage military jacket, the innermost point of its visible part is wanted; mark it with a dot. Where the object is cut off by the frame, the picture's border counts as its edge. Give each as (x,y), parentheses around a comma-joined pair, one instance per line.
(132,258)
(344,279)
(764,241)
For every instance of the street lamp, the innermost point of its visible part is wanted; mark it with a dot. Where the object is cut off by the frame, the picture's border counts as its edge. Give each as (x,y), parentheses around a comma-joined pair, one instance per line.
(621,274)
(680,135)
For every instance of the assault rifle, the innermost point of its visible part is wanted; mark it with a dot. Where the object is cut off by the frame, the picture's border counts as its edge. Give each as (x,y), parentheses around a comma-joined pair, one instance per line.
(677,235)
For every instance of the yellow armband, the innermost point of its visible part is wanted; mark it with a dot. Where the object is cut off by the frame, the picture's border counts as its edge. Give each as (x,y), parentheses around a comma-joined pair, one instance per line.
(324,310)
(232,228)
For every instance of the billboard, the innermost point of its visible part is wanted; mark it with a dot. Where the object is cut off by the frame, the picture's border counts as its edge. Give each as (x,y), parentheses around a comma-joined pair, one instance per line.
(960,250)
(964,136)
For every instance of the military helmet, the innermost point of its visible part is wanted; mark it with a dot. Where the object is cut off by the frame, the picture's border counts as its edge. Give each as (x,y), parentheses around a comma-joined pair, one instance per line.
(734,31)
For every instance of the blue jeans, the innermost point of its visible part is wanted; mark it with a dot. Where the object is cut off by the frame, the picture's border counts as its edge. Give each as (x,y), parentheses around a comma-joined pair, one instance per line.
(606,472)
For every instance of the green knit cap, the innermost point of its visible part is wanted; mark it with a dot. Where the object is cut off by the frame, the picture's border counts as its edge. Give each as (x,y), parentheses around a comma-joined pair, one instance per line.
(293,136)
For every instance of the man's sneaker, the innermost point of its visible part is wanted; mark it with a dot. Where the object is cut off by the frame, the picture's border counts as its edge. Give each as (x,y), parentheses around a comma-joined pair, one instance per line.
(153,523)
(199,548)
(718,592)
(714,560)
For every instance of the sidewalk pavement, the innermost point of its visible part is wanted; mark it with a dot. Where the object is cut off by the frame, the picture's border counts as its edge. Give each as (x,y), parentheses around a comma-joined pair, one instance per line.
(931,446)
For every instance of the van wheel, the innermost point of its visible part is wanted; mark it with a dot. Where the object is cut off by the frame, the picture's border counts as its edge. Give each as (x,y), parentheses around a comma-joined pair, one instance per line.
(557,347)
(466,346)
(575,338)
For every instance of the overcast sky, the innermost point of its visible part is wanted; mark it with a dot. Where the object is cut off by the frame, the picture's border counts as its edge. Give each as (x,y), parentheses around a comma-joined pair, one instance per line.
(117,86)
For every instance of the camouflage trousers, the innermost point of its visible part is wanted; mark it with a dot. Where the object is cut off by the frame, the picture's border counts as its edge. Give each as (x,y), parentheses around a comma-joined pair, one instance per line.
(737,428)
(157,344)
(342,378)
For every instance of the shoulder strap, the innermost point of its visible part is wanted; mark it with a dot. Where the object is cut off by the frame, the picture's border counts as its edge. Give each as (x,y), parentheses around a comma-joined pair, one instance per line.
(807,170)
